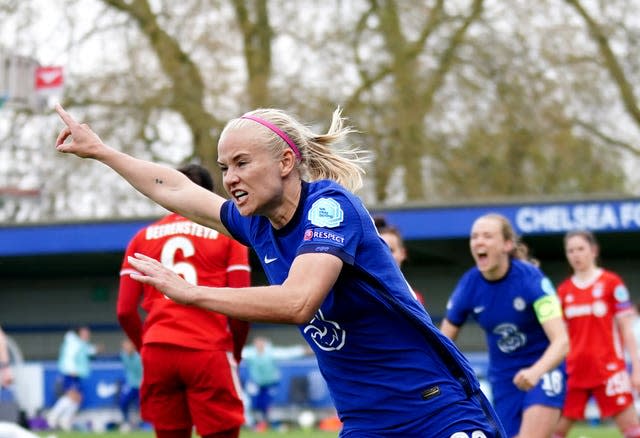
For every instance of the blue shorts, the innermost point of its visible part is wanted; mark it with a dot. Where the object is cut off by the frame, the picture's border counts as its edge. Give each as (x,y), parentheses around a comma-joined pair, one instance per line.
(71,382)
(510,402)
(470,418)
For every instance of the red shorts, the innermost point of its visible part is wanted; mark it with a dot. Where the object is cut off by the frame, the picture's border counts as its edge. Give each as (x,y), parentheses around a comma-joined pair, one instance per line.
(183,387)
(612,397)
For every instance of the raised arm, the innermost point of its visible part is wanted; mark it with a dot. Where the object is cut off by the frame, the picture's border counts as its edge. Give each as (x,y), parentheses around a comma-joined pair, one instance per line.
(295,301)
(166,186)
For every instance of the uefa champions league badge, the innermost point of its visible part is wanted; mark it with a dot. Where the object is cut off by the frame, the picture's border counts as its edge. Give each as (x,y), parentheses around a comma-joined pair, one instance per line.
(547,286)
(621,293)
(326,213)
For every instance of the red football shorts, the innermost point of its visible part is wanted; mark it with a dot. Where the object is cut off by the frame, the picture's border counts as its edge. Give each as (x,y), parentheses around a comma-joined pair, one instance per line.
(183,387)
(612,397)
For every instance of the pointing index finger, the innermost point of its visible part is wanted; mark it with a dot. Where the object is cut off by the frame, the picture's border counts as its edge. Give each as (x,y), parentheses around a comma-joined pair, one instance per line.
(65,116)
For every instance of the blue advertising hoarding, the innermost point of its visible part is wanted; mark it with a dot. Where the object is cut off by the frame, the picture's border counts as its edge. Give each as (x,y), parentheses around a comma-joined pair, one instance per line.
(101,388)
(425,223)
(70,238)
(528,219)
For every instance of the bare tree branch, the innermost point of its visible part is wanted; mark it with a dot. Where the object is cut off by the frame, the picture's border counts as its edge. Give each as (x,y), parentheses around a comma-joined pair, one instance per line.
(610,62)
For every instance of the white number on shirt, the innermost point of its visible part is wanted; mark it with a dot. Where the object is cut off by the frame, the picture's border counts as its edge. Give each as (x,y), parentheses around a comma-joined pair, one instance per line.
(167,258)
(552,382)
(475,434)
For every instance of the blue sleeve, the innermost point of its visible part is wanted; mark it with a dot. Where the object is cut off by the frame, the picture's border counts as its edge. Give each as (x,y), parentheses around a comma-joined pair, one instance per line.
(539,285)
(332,225)
(234,223)
(458,306)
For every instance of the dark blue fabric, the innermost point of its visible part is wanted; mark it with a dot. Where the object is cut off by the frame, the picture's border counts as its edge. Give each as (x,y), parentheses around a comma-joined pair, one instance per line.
(375,344)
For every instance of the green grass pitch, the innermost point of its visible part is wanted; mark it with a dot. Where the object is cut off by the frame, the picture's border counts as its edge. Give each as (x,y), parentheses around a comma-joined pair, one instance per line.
(580,431)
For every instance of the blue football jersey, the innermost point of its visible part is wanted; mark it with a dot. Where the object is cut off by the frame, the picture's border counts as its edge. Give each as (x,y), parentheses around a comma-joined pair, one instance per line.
(386,365)
(504,309)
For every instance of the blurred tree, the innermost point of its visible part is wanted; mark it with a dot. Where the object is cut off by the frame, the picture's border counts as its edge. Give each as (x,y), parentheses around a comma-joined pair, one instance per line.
(467,99)
(605,37)
(186,90)
(405,33)
(523,138)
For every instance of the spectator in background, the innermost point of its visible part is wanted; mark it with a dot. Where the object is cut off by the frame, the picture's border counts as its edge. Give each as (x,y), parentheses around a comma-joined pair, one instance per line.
(189,355)
(9,429)
(6,372)
(130,389)
(517,307)
(523,252)
(389,370)
(74,365)
(391,235)
(264,377)
(599,316)
(262,346)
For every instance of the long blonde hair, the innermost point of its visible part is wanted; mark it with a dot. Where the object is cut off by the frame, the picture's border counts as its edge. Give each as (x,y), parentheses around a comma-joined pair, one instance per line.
(319,154)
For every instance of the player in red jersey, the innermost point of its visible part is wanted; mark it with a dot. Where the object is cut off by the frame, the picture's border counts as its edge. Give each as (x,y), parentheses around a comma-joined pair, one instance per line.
(189,354)
(599,317)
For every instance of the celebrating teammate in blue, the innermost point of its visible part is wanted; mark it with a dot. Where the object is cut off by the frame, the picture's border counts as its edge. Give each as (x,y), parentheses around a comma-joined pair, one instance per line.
(518,309)
(390,371)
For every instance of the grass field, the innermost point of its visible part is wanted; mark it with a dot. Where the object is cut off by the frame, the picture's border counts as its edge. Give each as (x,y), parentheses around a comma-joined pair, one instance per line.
(577,432)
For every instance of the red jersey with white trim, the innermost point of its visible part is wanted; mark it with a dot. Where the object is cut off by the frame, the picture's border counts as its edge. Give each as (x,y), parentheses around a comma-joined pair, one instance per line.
(596,349)
(203,257)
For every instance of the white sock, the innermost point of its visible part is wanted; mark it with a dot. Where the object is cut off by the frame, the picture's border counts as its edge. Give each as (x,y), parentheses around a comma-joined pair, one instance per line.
(67,415)
(58,411)
(53,417)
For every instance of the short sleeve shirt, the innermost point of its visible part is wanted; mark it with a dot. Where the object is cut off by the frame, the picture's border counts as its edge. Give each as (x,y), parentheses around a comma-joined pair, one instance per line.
(203,257)
(595,351)
(504,310)
(384,361)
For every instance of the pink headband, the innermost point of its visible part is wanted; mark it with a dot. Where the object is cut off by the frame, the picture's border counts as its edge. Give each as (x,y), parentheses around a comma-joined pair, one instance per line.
(278,131)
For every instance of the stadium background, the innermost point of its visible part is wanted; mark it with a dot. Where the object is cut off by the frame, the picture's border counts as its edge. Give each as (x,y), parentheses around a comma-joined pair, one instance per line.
(59,275)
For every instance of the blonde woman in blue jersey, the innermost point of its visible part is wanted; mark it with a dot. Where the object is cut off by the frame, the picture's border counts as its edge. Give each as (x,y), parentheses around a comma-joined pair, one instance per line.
(516,306)
(390,371)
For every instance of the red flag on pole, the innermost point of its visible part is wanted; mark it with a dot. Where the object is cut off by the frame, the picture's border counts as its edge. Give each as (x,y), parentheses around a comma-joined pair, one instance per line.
(49,78)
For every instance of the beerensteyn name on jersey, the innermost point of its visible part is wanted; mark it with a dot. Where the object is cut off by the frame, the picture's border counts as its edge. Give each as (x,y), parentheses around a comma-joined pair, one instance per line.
(182,227)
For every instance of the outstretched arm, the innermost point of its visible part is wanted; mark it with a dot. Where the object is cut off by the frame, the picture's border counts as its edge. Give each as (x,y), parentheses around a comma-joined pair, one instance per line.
(166,186)
(295,301)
